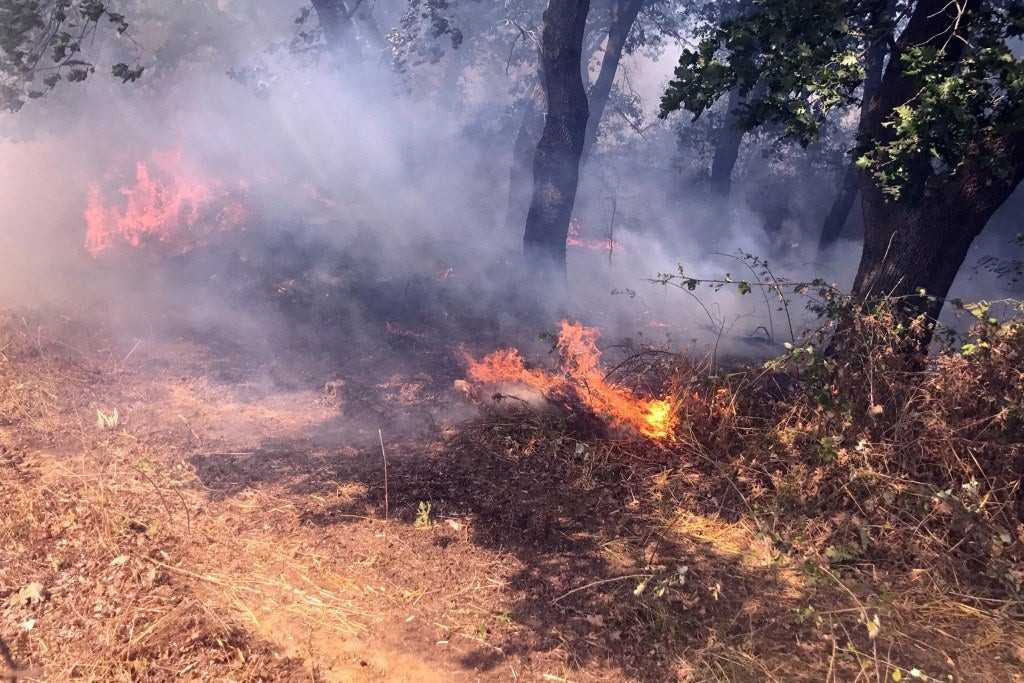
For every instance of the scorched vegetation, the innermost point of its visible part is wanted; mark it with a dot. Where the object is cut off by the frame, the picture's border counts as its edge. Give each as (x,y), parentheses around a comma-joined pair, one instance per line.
(437,340)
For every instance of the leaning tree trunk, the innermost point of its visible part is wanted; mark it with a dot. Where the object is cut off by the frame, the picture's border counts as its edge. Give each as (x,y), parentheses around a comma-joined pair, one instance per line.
(623,15)
(843,204)
(556,164)
(730,136)
(910,247)
(913,252)
(339,30)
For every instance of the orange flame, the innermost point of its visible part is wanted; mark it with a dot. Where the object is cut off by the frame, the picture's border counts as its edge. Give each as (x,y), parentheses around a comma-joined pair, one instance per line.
(507,366)
(574,240)
(167,205)
(653,418)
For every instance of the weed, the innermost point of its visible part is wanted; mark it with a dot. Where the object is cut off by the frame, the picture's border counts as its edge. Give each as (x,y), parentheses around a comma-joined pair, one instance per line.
(423,517)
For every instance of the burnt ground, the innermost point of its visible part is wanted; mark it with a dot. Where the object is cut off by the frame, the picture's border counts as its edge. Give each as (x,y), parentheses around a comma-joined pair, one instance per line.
(234,522)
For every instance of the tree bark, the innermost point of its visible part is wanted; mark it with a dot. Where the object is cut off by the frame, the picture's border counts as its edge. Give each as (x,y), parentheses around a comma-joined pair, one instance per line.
(841,207)
(339,30)
(730,138)
(921,245)
(727,147)
(520,177)
(623,15)
(839,212)
(557,159)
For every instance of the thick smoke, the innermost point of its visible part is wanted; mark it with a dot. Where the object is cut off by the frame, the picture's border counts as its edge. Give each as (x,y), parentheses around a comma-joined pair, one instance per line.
(387,190)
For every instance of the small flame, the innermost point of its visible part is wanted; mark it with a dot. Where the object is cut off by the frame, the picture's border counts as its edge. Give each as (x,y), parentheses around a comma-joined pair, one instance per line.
(654,418)
(574,240)
(167,204)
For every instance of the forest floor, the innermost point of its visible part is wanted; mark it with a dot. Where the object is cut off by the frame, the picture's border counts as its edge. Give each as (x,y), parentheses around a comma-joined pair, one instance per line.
(181,510)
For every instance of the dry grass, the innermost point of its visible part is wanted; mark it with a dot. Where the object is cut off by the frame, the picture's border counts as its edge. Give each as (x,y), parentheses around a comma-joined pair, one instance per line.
(139,575)
(866,508)
(792,531)
(888,490)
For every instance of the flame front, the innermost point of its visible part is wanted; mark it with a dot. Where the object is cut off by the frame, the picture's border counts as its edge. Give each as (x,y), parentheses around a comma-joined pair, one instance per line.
(653,418)
(168,205)
(574,240)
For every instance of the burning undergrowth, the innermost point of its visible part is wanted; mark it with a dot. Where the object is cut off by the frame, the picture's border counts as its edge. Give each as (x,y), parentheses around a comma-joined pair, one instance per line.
(867,474)
(581,373)
(209,252)
(171,203)
(831,532)
(646,513)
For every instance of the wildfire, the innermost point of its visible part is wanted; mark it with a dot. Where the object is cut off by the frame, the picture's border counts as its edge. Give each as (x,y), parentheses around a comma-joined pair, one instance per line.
(581,369)
(574,240)
(169,204)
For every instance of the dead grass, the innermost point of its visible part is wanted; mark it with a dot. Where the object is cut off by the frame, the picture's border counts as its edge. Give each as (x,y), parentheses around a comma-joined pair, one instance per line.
(779,537)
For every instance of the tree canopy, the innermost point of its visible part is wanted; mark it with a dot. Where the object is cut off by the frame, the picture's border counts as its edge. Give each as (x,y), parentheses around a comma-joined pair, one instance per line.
(810,57)
(42,44)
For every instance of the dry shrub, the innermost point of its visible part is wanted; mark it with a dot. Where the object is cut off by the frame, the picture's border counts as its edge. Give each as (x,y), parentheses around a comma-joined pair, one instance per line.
(870,453)
(883,487)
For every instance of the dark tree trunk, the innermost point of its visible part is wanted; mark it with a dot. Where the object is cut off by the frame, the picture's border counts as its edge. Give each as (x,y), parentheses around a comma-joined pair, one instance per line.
(339,31)
(727,147)
(556,163)
(730,137)
(520,186)
(840,210)
(908,248)
(921,245)
(520,177)
(623,15)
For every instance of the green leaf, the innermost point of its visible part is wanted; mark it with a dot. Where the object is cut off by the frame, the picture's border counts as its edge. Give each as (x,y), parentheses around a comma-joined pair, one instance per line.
(837,554)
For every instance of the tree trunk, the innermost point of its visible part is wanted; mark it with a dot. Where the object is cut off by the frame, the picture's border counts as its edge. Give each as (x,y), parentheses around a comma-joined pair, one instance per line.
(623,15)
(840,211)
(921,245)
(727,148)
(730,138)
(520,177)
(910,248)
(339,31)
(370,28)
(556,163)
